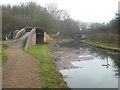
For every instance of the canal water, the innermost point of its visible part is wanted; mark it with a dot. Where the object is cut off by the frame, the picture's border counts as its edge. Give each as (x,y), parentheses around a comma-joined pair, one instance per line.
(91,67)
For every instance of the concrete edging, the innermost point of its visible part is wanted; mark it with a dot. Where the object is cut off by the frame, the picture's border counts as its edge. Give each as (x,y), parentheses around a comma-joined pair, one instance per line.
(29,41)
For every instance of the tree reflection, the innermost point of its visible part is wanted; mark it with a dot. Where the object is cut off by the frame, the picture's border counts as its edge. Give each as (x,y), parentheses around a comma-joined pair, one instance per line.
(104,55)
(97,52)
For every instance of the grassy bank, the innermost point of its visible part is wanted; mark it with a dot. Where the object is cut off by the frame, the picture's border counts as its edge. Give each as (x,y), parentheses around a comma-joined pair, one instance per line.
(49,74)
(110,38)
(102,45)
(58,40)
(9,40)
(3,56)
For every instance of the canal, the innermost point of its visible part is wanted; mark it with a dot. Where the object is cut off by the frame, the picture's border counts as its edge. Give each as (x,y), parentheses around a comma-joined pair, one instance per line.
(84,66)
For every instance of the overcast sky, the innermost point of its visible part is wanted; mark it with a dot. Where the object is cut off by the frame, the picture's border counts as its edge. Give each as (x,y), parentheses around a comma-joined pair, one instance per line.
(84,10)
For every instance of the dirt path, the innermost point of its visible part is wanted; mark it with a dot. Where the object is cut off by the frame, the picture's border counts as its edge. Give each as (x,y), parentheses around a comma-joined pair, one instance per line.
(20,70)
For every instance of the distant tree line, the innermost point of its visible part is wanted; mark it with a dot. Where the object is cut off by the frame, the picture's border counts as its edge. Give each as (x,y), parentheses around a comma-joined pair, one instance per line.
(54,20)
(110,27)
(103,32)
(51,19)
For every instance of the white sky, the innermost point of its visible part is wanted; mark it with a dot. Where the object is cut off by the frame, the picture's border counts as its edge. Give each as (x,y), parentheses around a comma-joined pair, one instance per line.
(84,10)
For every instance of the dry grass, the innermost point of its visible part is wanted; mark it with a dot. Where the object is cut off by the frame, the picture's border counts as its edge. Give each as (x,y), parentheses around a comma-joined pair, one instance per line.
(109,38)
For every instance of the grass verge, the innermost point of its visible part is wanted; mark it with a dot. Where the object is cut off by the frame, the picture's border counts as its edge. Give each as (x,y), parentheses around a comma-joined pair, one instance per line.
(58,40)
(9,40)
(102,45)
(3,56)
(49,74)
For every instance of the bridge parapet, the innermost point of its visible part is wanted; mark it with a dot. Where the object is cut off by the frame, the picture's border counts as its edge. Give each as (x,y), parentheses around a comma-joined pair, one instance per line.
(20,33)
(28,29)
(36,36)
(31,40)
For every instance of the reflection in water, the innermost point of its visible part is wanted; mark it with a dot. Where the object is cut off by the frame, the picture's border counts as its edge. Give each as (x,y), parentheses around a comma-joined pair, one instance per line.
(106,65)
(92,74)
(106,55)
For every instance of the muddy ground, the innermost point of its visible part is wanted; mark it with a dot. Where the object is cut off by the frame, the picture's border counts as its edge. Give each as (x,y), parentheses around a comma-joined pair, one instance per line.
(65,55)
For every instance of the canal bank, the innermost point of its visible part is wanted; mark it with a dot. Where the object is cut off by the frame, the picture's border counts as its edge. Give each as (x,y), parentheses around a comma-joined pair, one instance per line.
(3,56)
(84,66)
(49,73)
(104,46)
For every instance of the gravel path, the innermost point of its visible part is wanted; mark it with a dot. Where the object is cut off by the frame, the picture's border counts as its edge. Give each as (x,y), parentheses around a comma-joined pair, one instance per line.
(20,70)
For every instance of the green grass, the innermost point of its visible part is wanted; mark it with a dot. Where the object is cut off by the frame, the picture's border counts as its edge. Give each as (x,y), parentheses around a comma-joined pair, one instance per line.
(3,56)
(58,40)
(9,40)
(102,45)
(49,74)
